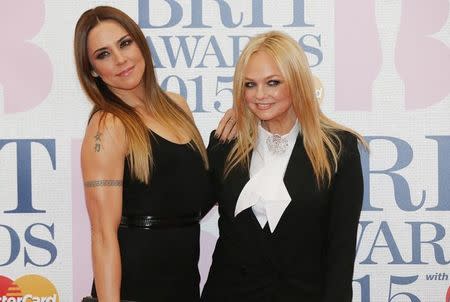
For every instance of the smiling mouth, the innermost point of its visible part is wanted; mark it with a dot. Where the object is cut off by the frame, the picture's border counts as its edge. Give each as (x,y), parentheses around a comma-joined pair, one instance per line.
(125,72)
(263,106)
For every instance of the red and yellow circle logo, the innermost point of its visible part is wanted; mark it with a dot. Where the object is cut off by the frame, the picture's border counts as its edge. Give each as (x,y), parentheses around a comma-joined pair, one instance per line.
(28,288)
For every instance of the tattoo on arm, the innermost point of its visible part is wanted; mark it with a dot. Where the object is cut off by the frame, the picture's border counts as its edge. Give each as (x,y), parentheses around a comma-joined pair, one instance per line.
(98,142)
(103,183)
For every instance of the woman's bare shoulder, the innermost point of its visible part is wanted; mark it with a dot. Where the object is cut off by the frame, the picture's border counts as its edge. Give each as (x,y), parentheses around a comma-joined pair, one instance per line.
(105,132)
(180,101)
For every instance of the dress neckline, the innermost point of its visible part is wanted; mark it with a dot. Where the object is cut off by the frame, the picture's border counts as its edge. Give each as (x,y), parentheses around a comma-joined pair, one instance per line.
(165,139)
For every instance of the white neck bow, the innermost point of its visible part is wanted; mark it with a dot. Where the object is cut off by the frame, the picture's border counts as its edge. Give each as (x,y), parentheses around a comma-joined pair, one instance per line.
(266,192)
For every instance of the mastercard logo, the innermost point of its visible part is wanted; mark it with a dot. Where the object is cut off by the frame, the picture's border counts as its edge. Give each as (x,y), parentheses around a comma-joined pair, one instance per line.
(28,288)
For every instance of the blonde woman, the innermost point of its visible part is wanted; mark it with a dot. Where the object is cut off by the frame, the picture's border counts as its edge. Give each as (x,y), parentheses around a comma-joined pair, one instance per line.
(289,187)
(144,167)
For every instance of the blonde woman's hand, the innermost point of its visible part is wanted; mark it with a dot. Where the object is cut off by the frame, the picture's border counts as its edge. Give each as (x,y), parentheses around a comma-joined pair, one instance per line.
(226,130)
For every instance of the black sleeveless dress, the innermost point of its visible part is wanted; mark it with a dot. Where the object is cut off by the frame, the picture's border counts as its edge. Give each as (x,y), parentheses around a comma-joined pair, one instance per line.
(160,264)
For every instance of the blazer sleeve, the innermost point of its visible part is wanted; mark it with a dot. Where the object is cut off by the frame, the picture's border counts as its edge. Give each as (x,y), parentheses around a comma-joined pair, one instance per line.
(344,213)
(215,155)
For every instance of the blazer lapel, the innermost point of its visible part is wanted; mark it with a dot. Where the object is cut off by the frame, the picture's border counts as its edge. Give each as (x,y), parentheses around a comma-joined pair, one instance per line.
(294,177)
(296,165)
(234,183)
(250,226)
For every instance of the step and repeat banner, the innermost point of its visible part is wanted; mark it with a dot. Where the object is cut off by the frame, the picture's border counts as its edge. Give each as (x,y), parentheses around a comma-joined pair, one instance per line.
(381,67)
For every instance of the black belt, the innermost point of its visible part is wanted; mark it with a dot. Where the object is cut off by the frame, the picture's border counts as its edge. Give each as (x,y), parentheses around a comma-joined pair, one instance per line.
(150,222)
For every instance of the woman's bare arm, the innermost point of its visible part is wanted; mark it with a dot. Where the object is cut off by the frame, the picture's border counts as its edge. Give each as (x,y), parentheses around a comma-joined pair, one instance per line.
(102,162)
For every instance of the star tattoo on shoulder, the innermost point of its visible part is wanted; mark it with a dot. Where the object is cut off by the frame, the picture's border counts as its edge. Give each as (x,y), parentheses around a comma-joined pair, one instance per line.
(98,142)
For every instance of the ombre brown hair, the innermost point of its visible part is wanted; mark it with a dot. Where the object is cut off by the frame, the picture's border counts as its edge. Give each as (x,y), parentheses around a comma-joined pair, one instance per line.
(156,101)
(320,134)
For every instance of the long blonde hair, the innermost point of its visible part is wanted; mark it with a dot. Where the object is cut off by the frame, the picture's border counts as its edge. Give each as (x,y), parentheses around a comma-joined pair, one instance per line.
(320,137)
(161,106)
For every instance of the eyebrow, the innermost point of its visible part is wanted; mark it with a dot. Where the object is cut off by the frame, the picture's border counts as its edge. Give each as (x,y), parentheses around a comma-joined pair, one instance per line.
(105,48)
(268,77)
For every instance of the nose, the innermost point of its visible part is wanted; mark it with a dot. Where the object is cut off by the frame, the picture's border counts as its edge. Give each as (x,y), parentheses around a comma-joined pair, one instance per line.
(120,58)
(260,92)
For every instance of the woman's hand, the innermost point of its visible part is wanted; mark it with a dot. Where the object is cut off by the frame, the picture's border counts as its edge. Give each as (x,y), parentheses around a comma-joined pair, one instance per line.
(226,130)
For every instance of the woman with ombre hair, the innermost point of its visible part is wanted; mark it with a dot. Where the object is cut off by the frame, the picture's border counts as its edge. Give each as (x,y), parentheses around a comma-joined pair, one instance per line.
(289,187)
(144,167)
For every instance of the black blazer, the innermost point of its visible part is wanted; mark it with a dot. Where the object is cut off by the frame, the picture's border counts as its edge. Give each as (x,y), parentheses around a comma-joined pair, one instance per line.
(310,255)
